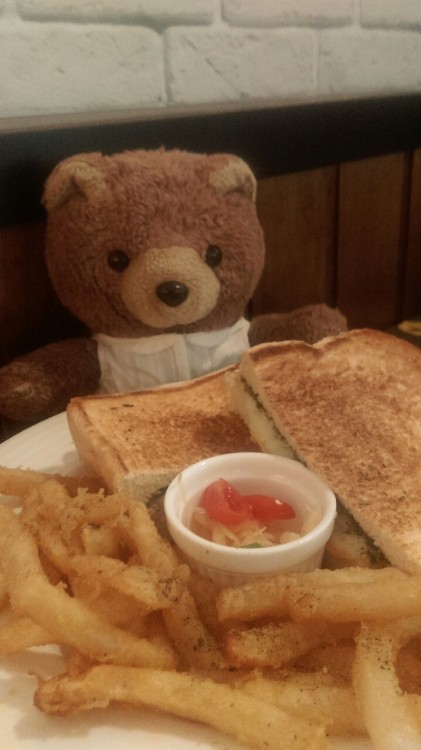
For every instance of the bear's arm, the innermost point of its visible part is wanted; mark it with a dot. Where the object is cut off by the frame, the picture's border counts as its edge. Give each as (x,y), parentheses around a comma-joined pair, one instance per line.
(41,383)
(310,324)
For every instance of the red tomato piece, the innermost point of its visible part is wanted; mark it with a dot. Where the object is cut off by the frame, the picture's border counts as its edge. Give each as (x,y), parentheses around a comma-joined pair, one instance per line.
(225,504)
(267,508)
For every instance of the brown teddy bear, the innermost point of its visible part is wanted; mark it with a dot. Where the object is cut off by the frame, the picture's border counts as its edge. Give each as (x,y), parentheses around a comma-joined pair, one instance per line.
(158,254)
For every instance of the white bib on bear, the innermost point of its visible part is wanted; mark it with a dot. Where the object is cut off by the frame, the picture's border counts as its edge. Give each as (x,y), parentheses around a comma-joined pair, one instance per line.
(129,364)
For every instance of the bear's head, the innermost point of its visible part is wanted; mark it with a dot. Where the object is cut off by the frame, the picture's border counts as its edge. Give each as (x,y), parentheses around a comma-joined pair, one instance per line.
(149,242)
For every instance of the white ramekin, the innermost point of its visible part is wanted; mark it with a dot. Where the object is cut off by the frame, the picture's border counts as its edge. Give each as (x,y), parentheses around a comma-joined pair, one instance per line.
(250,472)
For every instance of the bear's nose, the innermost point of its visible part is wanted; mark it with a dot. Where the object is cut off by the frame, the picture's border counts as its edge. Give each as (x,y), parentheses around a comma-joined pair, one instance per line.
(172,293)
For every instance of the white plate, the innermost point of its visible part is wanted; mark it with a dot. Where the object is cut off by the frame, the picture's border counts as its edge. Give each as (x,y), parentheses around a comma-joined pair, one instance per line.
(48,446)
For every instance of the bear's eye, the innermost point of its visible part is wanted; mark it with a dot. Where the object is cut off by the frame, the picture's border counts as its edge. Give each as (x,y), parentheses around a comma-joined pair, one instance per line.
(118,260)
(213,255)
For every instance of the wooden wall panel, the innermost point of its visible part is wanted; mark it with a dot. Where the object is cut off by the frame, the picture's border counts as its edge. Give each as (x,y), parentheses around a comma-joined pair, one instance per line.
(30,314)
(412,280)
(23,281)
(372,213)
(297,213)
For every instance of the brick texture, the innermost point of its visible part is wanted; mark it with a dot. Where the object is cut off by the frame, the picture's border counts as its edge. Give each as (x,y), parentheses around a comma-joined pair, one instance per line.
(51,68)
(221,66)
(85,55)
(368,62)
(288,12)
(159,12)
(391,14)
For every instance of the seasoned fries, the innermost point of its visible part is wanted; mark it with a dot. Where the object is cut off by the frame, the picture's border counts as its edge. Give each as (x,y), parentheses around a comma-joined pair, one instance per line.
(20,482)
(277,644)
(255,600)
(386,709)
(291,660)
(19,633)
(316,696)
(68,620)
(249,719)
(364,598)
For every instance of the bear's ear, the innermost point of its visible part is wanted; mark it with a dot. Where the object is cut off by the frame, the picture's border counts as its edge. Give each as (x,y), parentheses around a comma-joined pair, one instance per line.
(233,175)
(79,175)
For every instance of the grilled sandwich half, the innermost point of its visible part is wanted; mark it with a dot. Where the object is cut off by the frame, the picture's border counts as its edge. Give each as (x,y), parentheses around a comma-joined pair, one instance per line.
(139,441)
(349,408)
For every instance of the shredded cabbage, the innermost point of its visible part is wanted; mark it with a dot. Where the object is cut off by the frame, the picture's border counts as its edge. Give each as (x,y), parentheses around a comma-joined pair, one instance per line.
(250,533)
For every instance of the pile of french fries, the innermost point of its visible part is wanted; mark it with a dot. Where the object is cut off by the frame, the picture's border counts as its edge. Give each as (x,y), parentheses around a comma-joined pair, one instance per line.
(288,661)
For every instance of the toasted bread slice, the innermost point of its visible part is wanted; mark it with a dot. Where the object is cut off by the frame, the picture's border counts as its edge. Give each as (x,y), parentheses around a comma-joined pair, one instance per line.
(349,408)
(139,441)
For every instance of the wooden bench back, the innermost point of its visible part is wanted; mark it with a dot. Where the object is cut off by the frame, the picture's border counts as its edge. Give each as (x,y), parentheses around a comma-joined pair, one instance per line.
(347,234)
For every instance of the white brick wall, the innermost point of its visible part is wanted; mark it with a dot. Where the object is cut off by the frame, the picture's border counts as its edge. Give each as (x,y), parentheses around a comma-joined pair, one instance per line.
(61,68)
(162,12)
(289,12)
(225,64)
(366,61)
(391,14)
(78,55)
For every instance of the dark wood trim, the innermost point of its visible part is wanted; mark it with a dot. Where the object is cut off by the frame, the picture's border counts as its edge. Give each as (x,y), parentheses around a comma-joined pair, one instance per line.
(274,138)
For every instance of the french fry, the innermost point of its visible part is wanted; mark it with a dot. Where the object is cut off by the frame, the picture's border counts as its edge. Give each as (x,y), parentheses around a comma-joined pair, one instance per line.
(4,597)
(154,552)
(359,599)
(117,608)
(19,482)
(314,696)
(335,659)
(51,545)
(408,666)
(19,633)
(147,587)
(100,540)
(259,598)
(68,620)
(76,663)
(52,501)
(271,662)
(271,596)
(204,593)
(98,508)
(389,716)
(414,703)
(227,709)
(192,639)
(276,644)
(59,522)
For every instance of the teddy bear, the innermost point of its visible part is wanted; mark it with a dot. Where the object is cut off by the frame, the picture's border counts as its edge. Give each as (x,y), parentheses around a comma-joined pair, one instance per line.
(157,253)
